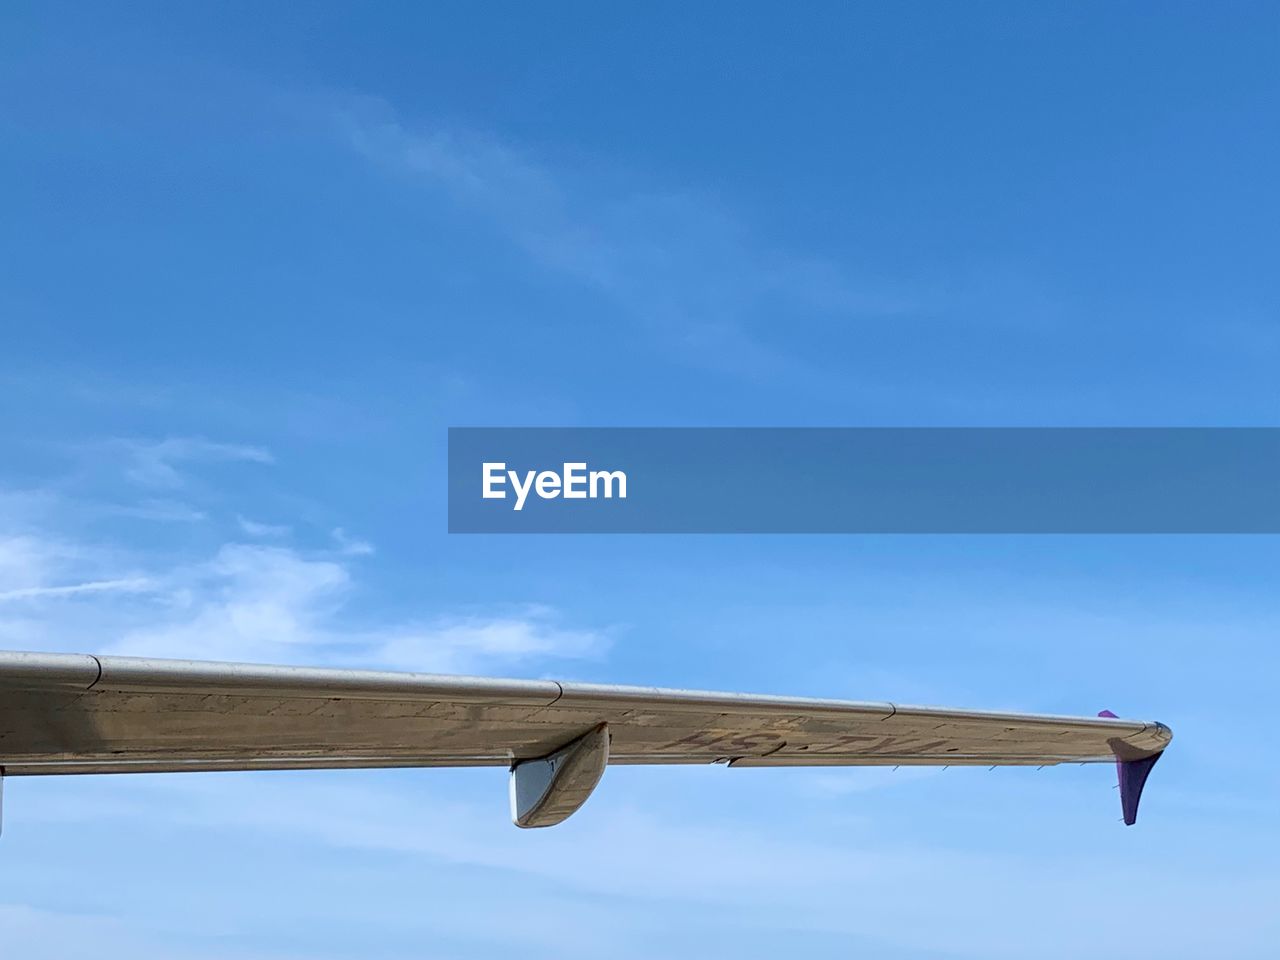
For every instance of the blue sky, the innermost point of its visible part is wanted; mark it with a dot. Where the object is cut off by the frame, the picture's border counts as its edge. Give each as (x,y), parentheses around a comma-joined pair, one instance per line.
(254,260)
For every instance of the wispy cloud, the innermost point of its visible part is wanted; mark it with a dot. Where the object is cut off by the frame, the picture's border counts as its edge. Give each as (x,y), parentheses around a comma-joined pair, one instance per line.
(351,546)
(255,601)
(672,260)
(262,603)
(159,510)
(130,585)
(254,528)
(451,644)
(155,463)
(775,876)
(32,561)
(258,602)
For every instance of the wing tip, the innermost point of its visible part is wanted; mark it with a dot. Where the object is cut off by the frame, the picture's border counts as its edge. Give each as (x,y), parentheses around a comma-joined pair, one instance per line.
(1132,773)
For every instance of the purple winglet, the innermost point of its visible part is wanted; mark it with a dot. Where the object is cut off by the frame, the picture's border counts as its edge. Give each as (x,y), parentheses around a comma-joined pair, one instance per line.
(1133,777)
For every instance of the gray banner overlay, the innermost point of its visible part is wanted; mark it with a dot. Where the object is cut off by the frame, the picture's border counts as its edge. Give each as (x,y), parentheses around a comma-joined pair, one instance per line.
(864,480)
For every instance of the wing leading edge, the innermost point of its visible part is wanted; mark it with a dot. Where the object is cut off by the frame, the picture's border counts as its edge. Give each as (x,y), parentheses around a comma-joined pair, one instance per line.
(76,713)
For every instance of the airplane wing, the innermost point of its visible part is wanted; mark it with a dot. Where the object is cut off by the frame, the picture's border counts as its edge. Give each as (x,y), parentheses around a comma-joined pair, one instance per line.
(76,713)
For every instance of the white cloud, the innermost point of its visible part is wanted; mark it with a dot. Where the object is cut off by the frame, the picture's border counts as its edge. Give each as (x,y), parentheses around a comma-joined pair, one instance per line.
(451,645)
(273,604)
(640,854)
(254,602)
(128,585)
(26,561)
(154,463)
(162,511)
(673,261)
(253,528)
(351,546)
(35,565)
(248,602)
